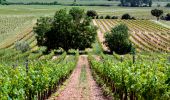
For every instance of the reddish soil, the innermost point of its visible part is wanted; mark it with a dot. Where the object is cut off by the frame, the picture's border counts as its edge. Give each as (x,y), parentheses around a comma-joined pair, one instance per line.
(81,85)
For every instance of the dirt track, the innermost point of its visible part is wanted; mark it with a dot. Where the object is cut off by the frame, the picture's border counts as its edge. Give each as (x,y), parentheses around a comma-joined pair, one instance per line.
(81,85)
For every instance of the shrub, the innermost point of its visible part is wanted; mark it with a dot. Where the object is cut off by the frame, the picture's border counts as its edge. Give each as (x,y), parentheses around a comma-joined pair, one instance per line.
(114,17)
(133,18)
(118,40)
(126,16)
(167,17)
(101,17)
(168,5)
(22,46)
(91,13)
(108,17)
(97,17)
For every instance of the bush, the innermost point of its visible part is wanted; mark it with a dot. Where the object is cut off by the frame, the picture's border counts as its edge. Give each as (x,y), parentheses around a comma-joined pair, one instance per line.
(22,46)
(118,40)
(101,17)
(167,17)
(91,13)
(126,16)
(114,17)
(168,5)
(108,17)
(97,17)
(133,18)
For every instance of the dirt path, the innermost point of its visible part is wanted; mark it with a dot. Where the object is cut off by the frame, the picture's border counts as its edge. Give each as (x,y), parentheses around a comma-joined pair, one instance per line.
(81,85)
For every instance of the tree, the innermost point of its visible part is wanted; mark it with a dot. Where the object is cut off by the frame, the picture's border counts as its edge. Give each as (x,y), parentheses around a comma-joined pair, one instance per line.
(66,30)
(157,13)
(150,3)
(91,13)
(167,17)
(2,1)
(77,14)
(118,40)
(136,3)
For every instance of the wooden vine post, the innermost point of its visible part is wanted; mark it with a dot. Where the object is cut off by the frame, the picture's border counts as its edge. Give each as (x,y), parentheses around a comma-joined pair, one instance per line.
(133,54)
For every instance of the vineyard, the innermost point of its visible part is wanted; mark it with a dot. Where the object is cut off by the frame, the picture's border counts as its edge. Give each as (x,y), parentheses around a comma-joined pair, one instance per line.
(146,35)
(92,74)
(14,29)
(147,79)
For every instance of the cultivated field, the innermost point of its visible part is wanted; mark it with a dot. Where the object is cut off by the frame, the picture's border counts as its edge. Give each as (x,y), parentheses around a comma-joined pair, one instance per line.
(92,74)
(146,35)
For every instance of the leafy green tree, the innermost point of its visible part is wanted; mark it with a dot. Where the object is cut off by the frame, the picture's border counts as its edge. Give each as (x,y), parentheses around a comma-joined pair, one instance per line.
(66,30)
(157,13)
(118,40)
(77,14)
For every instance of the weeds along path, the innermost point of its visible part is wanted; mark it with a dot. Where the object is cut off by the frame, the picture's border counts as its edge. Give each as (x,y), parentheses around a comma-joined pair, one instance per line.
(81,85)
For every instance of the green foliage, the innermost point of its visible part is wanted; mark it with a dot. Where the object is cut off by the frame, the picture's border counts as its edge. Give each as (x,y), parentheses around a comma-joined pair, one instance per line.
(118,40)
(40,77)
(143,80)
(101,17)
(126,16)
(168,5)
(77,14)
(167,17)
(66,30)
(22,46)
(43,26)
(108,17)
(114,17)
(2,1)
(91,13)
(157,13)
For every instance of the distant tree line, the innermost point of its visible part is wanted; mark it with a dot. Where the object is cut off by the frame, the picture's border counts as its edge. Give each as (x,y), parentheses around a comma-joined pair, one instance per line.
(136,3)
(34,3)
(4,2)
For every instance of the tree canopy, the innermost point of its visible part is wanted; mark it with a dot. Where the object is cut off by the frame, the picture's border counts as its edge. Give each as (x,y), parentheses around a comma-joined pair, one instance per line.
(118,40)
(2,1)
(66,30)
(136,3)
(157,13)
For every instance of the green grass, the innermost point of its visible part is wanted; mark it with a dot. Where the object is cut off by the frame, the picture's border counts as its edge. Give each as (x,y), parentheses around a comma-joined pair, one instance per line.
(83,76)
(45,10)
(35,11)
